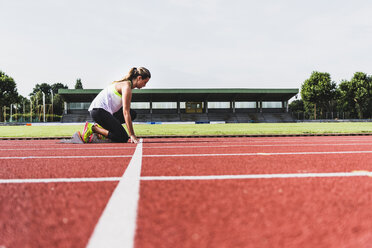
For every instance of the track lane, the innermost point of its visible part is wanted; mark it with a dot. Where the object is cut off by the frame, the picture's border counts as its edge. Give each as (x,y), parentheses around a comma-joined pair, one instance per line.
(56,144)
(56,214)
(325,212)
(257,149)
(257,140)
(270,164)
(260,159)
(63,168)
(51,214)
(64,162)
(65,152)
(194,213)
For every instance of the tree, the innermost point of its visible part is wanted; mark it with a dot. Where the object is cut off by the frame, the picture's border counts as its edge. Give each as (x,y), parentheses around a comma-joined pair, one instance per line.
(55,87)
(36,96)
(356,94)
(24,104)
(297,106)
(57,101)
(8,90)
(79,84)
(47,89)
(318,91)
(44,87)
(369,107)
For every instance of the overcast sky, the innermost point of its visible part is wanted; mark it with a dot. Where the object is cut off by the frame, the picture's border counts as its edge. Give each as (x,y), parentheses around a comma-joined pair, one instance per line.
(184,43)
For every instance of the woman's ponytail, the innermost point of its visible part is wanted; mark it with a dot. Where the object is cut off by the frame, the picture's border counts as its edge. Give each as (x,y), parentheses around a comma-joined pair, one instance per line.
(135,72)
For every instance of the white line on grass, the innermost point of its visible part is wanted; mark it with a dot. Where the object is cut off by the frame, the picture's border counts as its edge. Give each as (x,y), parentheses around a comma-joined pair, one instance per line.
(253,154)
(117,225)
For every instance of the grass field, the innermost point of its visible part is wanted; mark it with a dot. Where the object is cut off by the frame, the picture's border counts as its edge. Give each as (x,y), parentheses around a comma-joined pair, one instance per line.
(199,129)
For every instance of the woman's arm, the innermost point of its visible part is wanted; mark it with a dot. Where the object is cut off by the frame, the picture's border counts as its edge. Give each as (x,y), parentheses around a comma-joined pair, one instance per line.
(126,93)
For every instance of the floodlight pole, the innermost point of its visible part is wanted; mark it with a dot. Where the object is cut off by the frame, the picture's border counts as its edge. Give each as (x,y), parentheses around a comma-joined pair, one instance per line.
(24,118)
(43,104)
(11,113)
(30,109)
(51,91)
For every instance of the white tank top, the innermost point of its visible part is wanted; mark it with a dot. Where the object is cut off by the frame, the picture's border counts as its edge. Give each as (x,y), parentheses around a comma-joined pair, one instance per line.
(108,99)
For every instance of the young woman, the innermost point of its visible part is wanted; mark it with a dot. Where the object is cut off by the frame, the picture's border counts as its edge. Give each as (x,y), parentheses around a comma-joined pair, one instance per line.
(111,108)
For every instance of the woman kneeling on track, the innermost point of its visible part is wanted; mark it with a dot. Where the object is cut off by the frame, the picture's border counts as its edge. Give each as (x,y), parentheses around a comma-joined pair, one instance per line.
(111,108)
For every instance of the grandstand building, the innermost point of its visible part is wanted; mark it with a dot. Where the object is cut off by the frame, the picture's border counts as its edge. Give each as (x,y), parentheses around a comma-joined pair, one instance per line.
(191,105)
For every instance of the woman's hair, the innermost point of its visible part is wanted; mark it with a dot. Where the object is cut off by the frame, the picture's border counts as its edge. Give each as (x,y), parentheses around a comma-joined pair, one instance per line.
(135,72)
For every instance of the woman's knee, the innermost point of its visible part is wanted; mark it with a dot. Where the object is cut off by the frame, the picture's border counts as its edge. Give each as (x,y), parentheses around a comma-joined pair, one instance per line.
(118,137)
(120,116)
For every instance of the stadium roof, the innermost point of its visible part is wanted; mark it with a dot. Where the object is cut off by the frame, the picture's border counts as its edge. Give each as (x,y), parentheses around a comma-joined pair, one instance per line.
(187,95)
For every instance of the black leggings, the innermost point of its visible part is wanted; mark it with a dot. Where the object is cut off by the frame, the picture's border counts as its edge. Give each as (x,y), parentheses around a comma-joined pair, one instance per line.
(112,123)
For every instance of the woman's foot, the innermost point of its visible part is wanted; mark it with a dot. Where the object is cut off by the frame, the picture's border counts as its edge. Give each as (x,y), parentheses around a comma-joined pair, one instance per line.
(87,132)
(95,129)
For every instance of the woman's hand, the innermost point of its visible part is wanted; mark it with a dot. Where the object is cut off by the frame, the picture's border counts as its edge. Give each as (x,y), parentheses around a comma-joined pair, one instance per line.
(133,139)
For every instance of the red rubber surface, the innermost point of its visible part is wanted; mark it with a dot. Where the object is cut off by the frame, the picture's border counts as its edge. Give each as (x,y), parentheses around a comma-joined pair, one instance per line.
(256,213)
(233,165)
(67,152)
(51,214)
(302,212)
(62,168)
(254,149)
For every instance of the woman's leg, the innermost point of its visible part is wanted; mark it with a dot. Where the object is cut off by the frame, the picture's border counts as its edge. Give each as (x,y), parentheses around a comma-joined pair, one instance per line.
(120,116)
(100,130)
(115,131)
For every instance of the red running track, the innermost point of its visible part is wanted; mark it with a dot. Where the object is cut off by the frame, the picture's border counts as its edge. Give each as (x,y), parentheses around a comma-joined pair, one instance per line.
(276,212)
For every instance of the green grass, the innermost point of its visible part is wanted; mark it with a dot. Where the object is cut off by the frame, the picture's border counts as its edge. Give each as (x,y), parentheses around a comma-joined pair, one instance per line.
(200,129)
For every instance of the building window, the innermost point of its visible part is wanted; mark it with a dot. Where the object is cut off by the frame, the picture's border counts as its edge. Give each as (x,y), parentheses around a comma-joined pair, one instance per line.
(250,105)
(140,105)
(194,107)
(164,105)
(79,105)
(218,105)
(271,104)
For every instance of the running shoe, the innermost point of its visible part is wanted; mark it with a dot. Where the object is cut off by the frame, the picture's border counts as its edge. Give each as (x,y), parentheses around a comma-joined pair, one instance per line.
(99,136)
(87,133)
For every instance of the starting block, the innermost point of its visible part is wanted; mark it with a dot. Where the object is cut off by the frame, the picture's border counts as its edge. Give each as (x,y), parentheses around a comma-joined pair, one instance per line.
(76,139)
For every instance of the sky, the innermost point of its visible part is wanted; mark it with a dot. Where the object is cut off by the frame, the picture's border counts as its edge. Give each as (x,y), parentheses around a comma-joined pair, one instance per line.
(184,43)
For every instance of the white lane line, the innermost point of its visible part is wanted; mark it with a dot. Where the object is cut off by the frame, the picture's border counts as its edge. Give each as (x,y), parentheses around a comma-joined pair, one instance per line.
(60,180)
(192,155)
(65,148)
(258,176)
(209,177)
(117,225)
(183,146)
(254,154)
(252,145)
(63,157)
(285,141)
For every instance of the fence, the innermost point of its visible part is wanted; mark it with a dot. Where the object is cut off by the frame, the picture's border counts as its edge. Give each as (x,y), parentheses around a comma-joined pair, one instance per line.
(15,114)
(323,116)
